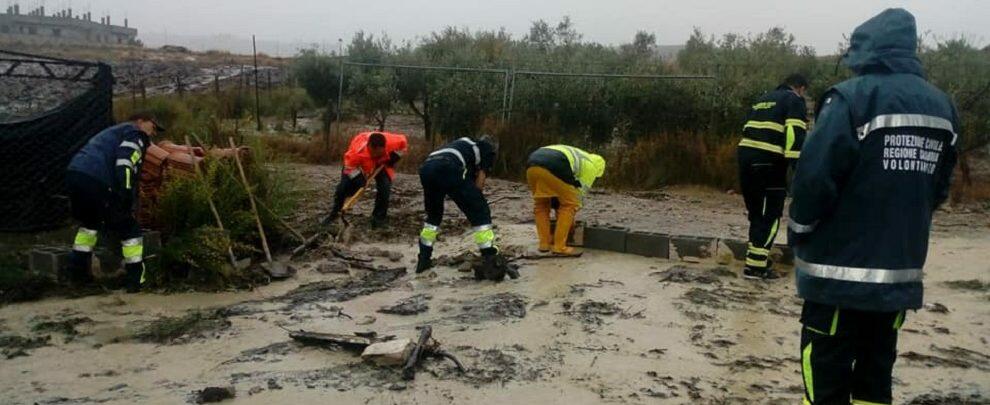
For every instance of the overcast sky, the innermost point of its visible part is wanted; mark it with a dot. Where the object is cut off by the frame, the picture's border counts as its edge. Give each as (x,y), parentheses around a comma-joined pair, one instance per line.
(820,23)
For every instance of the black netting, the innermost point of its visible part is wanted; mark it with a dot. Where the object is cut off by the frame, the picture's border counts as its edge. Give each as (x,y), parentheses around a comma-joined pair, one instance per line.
(49,109)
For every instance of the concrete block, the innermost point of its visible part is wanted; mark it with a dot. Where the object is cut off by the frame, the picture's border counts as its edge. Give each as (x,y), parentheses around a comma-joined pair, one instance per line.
(648,244)
(390,353)
(782,254)
(605,238)
(48,261)
(736,247)
(698,247)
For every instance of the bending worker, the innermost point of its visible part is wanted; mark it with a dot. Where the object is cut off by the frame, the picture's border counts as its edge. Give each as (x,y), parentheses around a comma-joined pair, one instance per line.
(459,169)
(875,169)
(773,135)
(560,174)
(102,184)
(367,152)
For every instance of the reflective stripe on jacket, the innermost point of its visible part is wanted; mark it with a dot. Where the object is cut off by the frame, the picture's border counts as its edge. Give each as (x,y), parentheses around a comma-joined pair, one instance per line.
(358,156)
(874,170)
(777,123)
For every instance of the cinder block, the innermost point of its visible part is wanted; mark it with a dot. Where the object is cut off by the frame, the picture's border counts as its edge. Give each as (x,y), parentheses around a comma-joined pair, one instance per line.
(605,238)
(736,247)
(692,246)
(48,261)
(648,244)
(782,254)
(152,243)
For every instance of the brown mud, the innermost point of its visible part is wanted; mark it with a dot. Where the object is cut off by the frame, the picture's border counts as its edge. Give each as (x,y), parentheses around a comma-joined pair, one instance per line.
(602,328)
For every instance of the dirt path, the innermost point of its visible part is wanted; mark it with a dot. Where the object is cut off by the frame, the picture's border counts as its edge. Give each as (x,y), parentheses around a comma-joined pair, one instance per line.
(602,328)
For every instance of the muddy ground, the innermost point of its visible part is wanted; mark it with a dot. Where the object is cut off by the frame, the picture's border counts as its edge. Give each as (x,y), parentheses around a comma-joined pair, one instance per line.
(603,328)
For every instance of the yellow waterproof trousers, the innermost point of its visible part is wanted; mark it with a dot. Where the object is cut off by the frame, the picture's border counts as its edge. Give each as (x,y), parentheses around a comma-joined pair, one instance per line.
(545,186)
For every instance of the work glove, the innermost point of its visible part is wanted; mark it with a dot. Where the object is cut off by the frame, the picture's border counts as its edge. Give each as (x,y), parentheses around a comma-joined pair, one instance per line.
(393,158)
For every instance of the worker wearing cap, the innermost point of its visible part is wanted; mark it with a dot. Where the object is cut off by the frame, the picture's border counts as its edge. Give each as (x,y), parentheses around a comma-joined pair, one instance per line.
(369,151)
(102,184)
(459,170)
(875,169)
(772,138)
(561,174)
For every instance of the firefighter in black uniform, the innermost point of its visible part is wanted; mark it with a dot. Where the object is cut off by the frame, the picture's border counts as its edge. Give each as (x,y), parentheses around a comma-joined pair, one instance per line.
(458,170)
(102,183)
(773,135)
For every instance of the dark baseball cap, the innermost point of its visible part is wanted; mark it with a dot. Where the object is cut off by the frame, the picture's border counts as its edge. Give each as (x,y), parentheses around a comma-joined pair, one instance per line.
(146,116)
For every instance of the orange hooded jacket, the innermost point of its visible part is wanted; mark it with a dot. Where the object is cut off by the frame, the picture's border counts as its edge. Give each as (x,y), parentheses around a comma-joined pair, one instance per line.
(358,159)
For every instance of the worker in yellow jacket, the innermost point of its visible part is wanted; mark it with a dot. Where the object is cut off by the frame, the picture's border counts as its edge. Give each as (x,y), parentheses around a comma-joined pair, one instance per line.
(559,176)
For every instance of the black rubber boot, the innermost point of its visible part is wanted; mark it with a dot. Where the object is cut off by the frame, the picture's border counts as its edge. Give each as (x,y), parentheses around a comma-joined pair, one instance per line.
(493,267)
(77,270)
(425,259)
(380,223)
(135,274)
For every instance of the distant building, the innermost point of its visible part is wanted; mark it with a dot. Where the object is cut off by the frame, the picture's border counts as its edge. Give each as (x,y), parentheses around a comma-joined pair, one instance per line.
(62,28)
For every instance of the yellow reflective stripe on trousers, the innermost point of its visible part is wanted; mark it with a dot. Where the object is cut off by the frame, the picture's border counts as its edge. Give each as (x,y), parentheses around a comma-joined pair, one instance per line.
(132,250)
(899,321)
(429,234)
(484,236)
(862,402)
(127,176)
(749,143)
(85,240)
(757,250)
(835,322)
(773,233)
(773,126)
(756,263)
(809,381)
(796,122)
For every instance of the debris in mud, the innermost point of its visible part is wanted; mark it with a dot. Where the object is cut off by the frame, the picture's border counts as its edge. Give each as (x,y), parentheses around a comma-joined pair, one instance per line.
(66,326)
(409,306)
(750,362)
(955,357)
(500,365)
(968,285)
(720,297)
(391,255)
(12,346)
(683,274)
(936,308)
(953,398)
(590,313)
(333,266)
(366,320)
(183,329)
(259,354)
(493,308)
(214,394)
(582,287)
(342,289)
(359,341)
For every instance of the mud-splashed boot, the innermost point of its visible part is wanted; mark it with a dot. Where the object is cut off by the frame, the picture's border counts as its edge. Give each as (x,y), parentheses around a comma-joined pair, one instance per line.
(77,270)
(135,277)
(493,267)
(425,260)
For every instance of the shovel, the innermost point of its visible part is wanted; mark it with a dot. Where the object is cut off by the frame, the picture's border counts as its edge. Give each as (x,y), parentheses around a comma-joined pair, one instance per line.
(345,233)
(277,270)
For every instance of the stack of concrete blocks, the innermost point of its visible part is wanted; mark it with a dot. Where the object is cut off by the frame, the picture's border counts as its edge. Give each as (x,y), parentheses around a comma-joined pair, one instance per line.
(49,261)
(673,247)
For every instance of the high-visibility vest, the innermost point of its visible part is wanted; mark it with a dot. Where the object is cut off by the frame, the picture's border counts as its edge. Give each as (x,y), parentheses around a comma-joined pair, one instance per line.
(586,166)
(358,157)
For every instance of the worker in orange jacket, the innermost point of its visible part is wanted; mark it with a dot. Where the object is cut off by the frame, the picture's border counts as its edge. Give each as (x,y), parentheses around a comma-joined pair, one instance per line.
(369,151)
